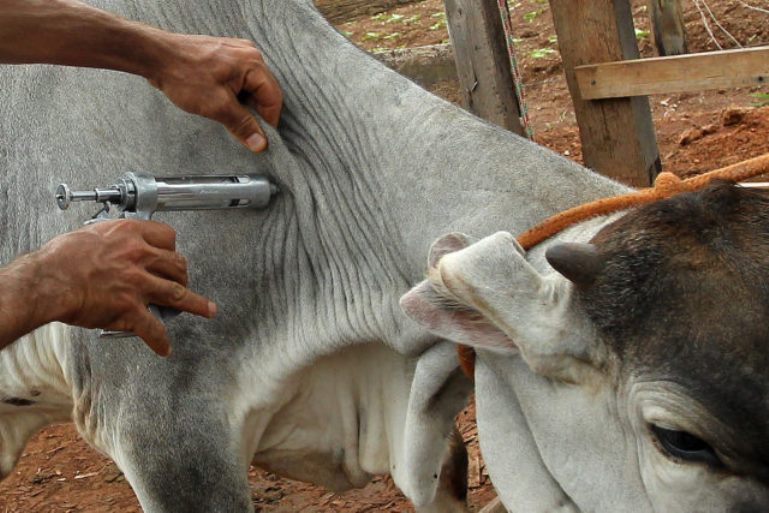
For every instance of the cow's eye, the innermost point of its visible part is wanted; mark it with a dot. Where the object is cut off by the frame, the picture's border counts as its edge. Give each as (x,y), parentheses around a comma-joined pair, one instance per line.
(685,446)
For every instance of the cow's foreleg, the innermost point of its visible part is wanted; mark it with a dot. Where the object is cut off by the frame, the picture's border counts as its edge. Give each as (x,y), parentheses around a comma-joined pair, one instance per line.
(33,390)
(451,496)
(194,470)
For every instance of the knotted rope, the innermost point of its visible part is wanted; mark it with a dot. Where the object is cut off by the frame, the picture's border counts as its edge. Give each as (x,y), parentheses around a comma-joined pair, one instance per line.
(665,186)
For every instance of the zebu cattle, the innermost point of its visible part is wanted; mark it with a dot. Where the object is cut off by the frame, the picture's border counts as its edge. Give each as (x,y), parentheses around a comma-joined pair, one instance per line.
(303,370)
(633,379)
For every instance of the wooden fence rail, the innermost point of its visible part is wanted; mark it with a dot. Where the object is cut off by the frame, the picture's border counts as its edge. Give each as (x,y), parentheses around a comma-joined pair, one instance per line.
(664,75)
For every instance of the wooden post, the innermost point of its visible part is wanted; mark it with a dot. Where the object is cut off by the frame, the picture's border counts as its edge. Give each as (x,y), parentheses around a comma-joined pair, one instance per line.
(617,135)
(667,20)
(483,65)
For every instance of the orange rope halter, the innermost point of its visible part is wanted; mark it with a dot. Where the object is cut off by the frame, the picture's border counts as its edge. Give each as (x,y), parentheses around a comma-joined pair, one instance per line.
(665,186)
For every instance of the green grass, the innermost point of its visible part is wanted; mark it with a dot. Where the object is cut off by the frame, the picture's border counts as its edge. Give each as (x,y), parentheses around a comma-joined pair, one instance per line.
(531,16)
(641,34)
(387,18)
(439,25)
(761,99)
(541,53)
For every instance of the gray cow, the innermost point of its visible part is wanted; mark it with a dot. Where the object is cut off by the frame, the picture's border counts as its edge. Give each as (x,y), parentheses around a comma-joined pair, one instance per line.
(634,378)
(311,369)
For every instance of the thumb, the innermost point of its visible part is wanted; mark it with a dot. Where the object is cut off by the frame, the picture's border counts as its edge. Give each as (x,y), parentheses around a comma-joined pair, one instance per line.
(243,126)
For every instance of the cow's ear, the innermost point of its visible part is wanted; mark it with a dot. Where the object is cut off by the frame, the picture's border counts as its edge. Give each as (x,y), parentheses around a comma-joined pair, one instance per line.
(444,316)
(449,243)
(493,278)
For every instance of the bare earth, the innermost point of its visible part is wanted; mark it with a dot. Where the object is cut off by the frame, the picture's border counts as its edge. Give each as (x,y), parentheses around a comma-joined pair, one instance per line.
(696,132)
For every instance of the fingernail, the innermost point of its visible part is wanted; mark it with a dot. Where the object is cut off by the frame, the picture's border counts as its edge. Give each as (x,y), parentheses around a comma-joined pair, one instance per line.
(255,142)
(211,309)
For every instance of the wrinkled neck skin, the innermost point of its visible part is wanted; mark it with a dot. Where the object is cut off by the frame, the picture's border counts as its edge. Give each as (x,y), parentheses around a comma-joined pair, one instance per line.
(382,169)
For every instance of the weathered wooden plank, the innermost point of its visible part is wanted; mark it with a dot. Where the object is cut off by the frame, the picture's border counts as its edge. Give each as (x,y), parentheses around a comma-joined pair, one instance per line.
(667,20)
(425,65)
(483,65)
(617,135)
(345,10)
(663,75)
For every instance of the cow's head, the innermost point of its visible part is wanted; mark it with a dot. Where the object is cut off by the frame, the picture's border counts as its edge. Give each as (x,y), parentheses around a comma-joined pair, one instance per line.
(650,345)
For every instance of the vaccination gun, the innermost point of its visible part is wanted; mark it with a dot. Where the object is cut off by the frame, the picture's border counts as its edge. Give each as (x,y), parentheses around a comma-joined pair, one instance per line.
(139,196)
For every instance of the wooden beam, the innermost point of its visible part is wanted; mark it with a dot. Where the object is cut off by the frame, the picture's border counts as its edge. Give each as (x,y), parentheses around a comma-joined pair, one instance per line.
(338,11)
(425,65)
(617,135)
(483,65)
(664,75)
(667,20)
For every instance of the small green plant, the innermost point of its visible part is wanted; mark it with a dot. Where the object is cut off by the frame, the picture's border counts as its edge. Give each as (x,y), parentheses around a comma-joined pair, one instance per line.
(541,53)
(382,16)
(412,19)
(379,49)
(641,34)
(530,16)
(438,26)
(394,35)
(761,99)
(439,14)
(552,39)
(368,36)
(347,33)
(395,17)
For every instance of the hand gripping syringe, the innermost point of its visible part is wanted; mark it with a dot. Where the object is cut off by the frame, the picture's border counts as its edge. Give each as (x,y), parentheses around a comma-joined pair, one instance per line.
(139,196)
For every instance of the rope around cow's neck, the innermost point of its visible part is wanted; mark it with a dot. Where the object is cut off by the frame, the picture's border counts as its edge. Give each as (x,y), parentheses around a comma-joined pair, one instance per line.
(665,186)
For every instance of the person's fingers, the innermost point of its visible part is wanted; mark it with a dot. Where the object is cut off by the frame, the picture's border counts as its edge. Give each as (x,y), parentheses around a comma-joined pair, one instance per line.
(169,293)
(158,234)
(241,124)
(169,265)
(150,329)
(264,95)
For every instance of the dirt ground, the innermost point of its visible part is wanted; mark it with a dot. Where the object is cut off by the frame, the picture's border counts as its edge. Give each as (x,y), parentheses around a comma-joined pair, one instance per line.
(696,132)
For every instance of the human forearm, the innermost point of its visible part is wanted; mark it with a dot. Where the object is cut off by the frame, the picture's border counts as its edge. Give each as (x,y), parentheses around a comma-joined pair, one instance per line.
(72,33)
(200,74)
(27,299)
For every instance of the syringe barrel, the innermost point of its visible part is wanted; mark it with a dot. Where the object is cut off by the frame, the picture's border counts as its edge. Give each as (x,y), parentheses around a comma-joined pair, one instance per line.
(147,194)
(213,192)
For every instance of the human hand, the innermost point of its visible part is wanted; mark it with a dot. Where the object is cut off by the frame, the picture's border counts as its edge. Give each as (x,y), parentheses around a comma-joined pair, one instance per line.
(210,76)
(104,275)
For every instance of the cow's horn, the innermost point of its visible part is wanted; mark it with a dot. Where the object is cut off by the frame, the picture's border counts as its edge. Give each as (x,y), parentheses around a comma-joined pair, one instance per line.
(578,262)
